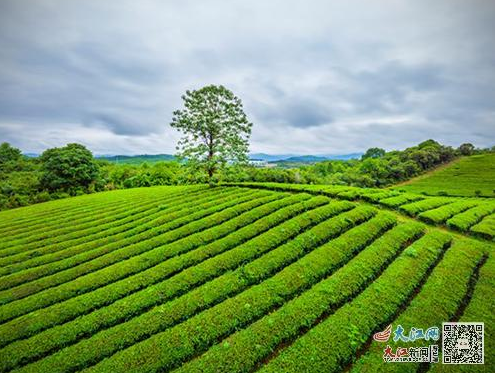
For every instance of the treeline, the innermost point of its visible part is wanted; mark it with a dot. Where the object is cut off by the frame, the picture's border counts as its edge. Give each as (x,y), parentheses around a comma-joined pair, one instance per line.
(72,170)
(376,168)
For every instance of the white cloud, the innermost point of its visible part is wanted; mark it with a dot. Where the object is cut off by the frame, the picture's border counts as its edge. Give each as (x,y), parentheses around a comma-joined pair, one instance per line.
(315,76)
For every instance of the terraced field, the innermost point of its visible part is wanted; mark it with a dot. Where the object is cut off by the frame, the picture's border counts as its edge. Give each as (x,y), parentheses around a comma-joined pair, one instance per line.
(275,278)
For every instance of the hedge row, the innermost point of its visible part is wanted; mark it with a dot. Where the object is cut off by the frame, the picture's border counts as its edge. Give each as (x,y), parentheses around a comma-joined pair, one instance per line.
(17,254)
(375,197)
(415,208)
(441,214)
(140,302)
(84,216)
(57,228)
(96,273)
(351,194)
(436,303)
(485,228)
(327,190)
(467,219)
(244,350)
(20,218)
(85,260)
(345,192)
(82,201)
(112,238)
(401,199)
(63,231)
(20,259)
(45,230)
(333,190)
(357,320)
(274,213)
(479,309)
(409,203)
(45,226)
(167,349)
(65,311)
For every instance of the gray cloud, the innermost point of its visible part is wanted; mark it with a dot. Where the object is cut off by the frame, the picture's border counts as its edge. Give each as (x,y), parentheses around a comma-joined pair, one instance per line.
(315,77)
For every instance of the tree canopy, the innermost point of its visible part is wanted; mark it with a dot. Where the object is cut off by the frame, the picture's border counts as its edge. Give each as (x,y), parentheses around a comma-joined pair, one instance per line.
(216,129)
(373,153)
(68,168)
(466,149)
(9,158)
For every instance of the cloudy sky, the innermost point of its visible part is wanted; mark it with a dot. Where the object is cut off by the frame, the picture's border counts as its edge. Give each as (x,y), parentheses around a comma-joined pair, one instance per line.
(315,77)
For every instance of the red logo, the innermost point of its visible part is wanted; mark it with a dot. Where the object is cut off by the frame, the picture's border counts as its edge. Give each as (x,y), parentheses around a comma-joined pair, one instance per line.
(383,336)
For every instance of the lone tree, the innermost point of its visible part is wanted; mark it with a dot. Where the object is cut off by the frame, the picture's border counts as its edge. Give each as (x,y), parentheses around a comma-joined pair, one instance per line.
(373,153)
(68,168)
(215,127)
(10,158)
(466,149)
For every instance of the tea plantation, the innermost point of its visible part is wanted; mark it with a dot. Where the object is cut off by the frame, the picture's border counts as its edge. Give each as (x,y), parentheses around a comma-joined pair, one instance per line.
(466,177)
(238,278)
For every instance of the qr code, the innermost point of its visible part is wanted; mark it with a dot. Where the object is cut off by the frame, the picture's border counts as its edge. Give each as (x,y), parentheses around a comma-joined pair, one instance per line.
(462,343)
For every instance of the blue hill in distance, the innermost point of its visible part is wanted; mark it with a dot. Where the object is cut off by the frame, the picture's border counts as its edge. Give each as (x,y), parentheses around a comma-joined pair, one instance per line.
(303,158)
(286,158)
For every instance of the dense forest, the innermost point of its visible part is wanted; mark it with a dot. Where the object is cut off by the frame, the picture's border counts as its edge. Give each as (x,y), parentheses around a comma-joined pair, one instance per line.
(72,170)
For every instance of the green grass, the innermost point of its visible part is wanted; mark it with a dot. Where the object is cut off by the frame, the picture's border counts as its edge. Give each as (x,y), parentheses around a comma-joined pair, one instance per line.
(231,279)
(466,177)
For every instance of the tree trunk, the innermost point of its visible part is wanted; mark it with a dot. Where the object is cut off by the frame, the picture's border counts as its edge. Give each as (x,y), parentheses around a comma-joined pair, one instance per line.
(211,168)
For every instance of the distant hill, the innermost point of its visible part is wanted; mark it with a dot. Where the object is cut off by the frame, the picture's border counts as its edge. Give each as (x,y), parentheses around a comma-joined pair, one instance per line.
(345,157)
(303,158)
(286,158)
(138,159)
(306,158)
(270,157)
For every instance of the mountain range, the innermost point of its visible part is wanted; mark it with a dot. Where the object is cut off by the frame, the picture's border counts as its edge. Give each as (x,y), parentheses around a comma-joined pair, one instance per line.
(152,158)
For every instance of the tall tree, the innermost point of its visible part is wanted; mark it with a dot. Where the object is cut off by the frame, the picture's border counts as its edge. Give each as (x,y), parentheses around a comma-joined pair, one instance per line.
(68,168)
(373,153)
(216,129)
(466,149)
(9,153)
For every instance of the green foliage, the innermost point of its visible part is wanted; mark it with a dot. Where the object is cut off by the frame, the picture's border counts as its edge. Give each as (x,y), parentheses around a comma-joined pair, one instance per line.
(467,219)
(435,303)
(457,213)
(481,308)
(400,199)
(466,149)
(485,228)
(136,159)
(426,204)
(441,214)
(68,168)
(465,177)
(363,314)
(217,279)
(373,153)
(251,345)
(215,127)
(200,331)
(152,251)
(155,294)
(377,168)
(53,260)
(9,157)
(21,185)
